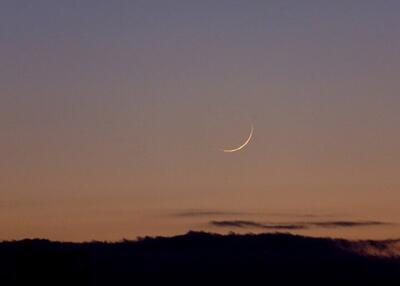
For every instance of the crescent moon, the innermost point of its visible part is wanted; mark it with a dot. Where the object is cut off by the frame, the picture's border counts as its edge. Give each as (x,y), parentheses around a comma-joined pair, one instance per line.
(243,145)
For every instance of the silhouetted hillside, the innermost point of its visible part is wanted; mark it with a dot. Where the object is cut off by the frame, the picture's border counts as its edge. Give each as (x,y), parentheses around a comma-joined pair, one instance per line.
(197,259)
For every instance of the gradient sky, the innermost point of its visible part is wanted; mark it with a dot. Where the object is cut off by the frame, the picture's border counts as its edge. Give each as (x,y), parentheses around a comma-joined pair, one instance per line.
(113,113)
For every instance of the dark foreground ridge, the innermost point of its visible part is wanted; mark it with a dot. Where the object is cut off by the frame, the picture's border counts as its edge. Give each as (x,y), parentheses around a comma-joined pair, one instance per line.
(197,258)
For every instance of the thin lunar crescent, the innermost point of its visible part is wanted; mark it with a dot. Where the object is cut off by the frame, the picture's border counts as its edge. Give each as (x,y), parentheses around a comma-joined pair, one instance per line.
(243,145)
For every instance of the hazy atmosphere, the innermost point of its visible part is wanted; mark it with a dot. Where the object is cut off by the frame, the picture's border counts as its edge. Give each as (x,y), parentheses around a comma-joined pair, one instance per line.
(113,115)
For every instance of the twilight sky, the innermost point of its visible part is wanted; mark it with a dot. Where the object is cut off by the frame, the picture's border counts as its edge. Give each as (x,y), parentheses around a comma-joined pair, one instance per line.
(113,114)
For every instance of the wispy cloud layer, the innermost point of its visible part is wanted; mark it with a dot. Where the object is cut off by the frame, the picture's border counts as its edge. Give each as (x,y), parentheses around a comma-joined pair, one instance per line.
(296,225)
(252,224)
(346,223)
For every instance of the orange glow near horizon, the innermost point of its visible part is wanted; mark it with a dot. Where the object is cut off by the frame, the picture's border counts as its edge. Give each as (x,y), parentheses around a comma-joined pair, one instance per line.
(112,118)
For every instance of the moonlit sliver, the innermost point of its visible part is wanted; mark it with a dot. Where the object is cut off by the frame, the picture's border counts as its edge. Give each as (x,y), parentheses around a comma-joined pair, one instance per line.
(243,145)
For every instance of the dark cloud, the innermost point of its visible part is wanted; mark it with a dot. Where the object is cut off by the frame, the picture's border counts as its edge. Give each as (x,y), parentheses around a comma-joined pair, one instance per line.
(252,224)
(292,226)
(285,226)
(346,223)
(236,223)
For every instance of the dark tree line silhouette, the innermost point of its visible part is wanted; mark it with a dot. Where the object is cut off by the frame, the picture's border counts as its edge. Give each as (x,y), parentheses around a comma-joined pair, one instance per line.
(196,258)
